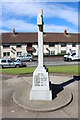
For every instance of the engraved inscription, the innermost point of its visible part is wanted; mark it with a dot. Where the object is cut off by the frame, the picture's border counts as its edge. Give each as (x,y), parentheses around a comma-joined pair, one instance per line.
(40,80)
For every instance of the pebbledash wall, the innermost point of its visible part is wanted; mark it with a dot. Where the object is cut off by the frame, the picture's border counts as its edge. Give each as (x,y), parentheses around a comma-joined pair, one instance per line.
(15,44)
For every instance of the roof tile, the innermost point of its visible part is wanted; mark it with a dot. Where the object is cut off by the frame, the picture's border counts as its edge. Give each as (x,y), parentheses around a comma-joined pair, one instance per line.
(33,38)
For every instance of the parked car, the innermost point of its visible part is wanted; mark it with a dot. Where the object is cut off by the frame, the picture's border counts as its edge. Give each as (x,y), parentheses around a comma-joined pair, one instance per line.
(72,56)
(29,57)
(9,62)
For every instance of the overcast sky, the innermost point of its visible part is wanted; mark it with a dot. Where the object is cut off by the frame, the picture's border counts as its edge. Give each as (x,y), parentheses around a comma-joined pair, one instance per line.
(22,16)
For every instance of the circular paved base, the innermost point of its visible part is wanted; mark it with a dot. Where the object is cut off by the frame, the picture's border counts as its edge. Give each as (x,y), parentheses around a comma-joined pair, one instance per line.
(21,97)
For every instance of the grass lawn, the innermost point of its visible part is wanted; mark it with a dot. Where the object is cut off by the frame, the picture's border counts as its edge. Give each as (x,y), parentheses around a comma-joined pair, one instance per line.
(73,69)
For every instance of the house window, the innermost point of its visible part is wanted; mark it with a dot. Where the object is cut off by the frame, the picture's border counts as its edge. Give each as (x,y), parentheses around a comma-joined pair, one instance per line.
(6,54)
(29,44)
(63,51)
(18,45)
(51,44)
(19,53)
(6,46)
(52,52)
(73,44)
(63,44)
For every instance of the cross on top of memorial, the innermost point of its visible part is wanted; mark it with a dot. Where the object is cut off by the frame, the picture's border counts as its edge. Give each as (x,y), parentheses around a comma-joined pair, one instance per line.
(40,17)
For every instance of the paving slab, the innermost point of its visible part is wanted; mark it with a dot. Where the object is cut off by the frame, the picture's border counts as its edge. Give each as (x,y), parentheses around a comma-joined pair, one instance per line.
(55,114)
(21,97)
(12,110)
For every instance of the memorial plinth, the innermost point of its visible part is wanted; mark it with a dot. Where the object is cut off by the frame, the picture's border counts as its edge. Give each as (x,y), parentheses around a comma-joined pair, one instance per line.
(40,86)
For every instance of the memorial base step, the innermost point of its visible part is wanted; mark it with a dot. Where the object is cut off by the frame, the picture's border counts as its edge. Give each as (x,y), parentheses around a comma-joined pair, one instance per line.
(40,95)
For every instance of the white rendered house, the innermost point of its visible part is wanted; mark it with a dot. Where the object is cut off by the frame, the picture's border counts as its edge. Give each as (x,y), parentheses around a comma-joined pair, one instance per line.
(15,44)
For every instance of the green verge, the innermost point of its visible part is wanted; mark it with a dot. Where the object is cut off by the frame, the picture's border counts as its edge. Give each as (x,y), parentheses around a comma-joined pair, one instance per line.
(73,69)
(16,71)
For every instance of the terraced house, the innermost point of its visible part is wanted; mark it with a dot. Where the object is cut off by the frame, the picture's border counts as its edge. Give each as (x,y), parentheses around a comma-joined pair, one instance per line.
(15,44)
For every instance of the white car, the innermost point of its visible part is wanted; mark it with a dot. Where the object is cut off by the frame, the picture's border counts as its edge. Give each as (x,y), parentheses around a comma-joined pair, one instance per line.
(71,57)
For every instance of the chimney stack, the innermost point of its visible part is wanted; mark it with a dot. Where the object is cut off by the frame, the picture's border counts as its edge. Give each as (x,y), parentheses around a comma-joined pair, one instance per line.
(65,32)
(14,30)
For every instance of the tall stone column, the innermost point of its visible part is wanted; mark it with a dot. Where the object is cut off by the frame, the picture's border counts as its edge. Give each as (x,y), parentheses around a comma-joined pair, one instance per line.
(40,86)
(40,37)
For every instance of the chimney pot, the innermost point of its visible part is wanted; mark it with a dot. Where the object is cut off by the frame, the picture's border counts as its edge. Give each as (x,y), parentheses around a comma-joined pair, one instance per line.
(14,30)
(65,32)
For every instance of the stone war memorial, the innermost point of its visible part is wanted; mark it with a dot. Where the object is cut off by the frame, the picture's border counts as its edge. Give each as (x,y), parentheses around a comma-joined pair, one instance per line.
(37,93)
(40,89)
